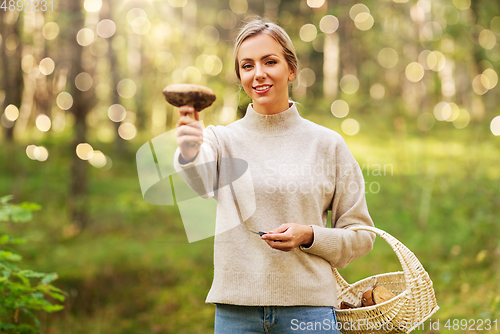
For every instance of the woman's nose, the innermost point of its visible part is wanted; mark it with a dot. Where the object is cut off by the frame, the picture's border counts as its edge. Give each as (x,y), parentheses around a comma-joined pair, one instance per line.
(259,73)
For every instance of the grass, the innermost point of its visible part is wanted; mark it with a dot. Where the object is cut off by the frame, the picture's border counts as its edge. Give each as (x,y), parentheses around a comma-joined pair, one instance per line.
(133,271)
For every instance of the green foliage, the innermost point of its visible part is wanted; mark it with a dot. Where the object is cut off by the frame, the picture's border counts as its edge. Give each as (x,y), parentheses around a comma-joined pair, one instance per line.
(22,291)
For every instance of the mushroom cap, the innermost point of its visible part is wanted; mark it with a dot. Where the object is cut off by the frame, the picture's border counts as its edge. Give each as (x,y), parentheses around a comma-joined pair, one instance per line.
(200,97)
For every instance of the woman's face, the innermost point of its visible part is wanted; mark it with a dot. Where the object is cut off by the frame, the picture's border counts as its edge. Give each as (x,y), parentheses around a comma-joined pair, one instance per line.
(265,73)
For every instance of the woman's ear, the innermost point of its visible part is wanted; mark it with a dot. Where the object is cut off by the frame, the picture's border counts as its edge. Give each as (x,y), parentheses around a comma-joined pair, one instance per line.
(292,75)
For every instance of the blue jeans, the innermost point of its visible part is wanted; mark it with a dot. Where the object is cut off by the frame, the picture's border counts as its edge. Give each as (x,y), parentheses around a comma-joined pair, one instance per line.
(235,319)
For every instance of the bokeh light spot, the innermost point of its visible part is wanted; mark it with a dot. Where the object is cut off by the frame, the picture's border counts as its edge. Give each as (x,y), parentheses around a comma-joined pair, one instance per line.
(106,28)
(41,153)
(349,84)
(487,39)
(455,112)
(46,66)
(43,123)
(126,88)
(141,25)
(315,3)
(377,91)
(209,64)
(308,32)
(350,126)
(358,9)
(215,63)
(422,59)
(477,84)
(227,19)
(11,112)
(339,108)
(432,31)
(329,24)
(209,35)
(135,13)
(436,61)
(50,31)
(414,72)
(204,63)
(98,159)
(364,21)
(83,81)
(127,131)
(117,113)
(442,111)
(495,126)
(12,42)
(388,57)
(307,77)
(84,151)
(92,5)
(30,152)
(85,37)
(489,78)
(64,100)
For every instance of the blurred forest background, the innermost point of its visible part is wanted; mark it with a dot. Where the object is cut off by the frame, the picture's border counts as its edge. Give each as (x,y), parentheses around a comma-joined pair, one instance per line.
(411,85)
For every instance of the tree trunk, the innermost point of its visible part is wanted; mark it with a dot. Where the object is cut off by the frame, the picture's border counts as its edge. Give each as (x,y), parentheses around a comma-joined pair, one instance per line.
(12,72)
(107,12)
(82,101)
(331,66)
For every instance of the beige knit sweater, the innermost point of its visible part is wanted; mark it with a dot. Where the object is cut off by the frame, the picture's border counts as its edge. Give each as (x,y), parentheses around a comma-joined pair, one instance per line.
(299,170)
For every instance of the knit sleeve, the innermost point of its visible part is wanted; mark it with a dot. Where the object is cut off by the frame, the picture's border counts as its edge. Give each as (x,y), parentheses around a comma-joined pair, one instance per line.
(338,245)
(201,173)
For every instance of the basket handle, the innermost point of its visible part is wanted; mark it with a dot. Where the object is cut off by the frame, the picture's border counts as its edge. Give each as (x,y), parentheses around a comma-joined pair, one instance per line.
(342,284)
(412,268)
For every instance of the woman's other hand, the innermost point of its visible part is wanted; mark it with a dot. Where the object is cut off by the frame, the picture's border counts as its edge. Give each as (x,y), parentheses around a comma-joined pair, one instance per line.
(189,134)
(288,236)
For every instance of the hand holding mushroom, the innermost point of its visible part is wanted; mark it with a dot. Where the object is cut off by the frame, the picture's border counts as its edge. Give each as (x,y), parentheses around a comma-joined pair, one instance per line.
(190,99)
(189,134)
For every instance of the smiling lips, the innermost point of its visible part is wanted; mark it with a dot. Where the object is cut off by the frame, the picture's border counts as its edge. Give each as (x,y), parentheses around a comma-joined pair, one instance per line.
(261,89)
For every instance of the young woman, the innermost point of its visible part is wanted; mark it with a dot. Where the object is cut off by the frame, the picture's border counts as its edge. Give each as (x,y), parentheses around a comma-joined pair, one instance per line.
(282,281)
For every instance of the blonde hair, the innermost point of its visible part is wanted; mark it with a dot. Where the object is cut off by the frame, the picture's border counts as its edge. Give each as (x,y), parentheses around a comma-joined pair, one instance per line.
(257,27)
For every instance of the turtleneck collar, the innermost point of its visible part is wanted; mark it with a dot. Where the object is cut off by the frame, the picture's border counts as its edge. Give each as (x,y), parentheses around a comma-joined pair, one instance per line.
(275,124)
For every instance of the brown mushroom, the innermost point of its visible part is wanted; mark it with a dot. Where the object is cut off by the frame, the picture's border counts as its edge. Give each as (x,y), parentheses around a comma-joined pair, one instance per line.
(367,299)
(346,306)
(378,294)
(381,294)
(197,96)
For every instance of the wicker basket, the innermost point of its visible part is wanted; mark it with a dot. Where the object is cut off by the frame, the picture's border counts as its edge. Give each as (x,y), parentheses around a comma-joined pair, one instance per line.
(414,303)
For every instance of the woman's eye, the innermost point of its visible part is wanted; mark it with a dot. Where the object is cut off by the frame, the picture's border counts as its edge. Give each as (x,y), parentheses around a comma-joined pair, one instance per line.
(272,62)
(246,66)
